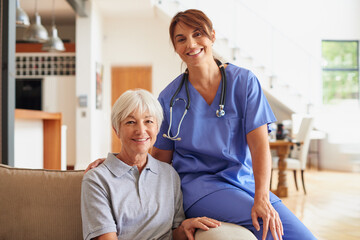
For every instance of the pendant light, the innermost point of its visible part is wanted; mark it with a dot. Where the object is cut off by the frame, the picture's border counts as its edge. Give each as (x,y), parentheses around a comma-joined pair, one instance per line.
(36,32)
(22,19)
(54,43)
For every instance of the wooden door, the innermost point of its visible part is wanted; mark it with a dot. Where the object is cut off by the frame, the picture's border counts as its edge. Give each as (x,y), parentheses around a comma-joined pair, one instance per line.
(125,78)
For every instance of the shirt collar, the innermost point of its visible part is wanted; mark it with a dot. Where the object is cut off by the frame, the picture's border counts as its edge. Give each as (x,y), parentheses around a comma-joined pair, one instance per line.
(152,165)
(119,168)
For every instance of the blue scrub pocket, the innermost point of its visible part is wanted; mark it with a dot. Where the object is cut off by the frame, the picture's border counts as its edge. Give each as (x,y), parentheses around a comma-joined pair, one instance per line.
(237,136)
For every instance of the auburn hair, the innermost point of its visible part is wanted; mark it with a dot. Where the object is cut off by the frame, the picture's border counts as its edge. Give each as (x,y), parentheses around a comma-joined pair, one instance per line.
(193,18)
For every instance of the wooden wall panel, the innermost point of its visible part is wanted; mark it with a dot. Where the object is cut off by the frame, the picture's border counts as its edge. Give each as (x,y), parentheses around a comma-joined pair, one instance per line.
(125,78)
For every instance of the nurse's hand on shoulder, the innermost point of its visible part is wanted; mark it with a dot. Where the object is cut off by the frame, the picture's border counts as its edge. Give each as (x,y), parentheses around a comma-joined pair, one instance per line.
(94,164)
(187,228)
(271,220)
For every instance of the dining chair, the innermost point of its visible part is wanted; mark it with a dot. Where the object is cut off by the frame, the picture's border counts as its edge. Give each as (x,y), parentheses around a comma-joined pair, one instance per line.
(299,154)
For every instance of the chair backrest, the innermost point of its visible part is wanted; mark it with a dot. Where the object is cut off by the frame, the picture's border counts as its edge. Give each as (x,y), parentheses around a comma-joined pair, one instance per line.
(303,136)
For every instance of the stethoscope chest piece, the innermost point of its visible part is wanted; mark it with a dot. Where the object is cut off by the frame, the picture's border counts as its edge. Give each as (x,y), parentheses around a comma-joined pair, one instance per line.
(220,112)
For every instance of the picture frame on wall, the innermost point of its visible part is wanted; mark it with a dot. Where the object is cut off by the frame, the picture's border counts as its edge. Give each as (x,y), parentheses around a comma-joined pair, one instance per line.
(99,85)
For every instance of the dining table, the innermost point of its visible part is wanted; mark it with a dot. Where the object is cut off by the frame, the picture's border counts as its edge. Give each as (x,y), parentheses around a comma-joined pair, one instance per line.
(282,148)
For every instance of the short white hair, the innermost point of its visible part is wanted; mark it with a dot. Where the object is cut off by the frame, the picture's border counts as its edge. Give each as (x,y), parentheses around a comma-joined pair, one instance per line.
(135,100)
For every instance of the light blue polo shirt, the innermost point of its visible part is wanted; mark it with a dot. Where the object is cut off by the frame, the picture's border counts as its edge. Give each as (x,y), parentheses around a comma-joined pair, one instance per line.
(115,198)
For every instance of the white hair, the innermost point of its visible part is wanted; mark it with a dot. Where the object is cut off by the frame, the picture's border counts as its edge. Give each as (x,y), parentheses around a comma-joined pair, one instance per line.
(135,100)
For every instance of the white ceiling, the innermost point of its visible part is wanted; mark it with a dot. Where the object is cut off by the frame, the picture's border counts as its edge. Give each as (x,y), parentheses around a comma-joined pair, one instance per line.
(64,14)
(125,8)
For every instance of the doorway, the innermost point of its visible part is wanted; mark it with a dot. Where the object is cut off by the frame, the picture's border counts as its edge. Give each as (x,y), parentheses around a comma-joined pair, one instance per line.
(125,78)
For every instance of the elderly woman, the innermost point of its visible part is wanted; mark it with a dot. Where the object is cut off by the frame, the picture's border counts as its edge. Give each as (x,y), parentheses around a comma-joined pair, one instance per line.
(132,195)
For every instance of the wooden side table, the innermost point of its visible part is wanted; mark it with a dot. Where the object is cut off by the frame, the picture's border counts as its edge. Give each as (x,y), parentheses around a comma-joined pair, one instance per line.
(282,148)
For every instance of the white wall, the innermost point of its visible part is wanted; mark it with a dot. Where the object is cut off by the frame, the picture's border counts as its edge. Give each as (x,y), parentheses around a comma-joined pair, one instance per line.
(92,138)
(100,136)
(28,144)
(141,41)
(59,96)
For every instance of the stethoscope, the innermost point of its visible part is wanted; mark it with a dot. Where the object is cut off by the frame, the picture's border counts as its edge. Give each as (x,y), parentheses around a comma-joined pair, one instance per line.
(185,80)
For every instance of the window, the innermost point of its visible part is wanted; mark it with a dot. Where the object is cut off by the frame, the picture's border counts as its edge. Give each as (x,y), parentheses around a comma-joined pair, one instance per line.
(340,71)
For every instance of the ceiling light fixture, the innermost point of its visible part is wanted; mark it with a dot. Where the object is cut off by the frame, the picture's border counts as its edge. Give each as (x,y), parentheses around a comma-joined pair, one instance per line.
(36,32)
(22,19)
(54,43)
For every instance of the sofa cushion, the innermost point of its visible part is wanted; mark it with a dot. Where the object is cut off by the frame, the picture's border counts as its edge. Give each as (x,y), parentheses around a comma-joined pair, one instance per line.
(228,231)
(40,204)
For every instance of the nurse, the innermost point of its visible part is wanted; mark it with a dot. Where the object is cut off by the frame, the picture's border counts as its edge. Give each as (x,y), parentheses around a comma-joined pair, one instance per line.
(224,162)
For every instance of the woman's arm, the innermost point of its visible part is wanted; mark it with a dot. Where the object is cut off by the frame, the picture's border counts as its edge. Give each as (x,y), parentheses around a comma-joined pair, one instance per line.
(162,155)
(96,211)
(261,159)
(187,228)
(94,164)
(107,236)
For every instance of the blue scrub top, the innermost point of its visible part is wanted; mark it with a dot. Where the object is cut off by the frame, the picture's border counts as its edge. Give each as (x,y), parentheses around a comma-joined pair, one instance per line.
(213,153)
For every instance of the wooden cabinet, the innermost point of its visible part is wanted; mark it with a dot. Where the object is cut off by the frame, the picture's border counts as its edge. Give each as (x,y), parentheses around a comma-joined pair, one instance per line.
(52,134)
(36,48)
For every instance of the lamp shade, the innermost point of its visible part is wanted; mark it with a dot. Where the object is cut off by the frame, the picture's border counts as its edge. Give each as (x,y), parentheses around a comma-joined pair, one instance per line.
(22,19)
(54,43)
(36,32)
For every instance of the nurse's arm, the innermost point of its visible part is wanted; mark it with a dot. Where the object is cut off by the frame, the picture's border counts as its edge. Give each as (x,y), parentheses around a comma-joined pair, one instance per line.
(261,160)
(162,155)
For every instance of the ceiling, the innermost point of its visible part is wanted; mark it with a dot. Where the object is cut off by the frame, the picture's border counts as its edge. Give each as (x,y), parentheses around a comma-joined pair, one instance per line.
(64,13)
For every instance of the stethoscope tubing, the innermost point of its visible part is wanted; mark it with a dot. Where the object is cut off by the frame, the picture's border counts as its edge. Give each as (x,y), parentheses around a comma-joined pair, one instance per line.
(185,81)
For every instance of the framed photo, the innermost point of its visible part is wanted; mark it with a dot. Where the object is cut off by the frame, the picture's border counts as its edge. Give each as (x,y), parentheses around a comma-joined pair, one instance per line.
(99,85)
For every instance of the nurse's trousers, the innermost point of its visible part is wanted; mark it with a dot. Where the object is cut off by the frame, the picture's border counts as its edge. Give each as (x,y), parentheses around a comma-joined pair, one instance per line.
(234,206)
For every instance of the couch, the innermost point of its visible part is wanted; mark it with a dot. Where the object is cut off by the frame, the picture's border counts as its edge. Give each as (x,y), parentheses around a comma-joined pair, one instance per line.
(45,204)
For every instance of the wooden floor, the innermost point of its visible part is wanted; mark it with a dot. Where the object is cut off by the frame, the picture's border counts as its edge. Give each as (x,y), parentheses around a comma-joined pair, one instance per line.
(331,208)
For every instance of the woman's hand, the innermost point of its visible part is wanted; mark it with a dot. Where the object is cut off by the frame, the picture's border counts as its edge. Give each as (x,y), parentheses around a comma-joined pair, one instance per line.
(188,227)
(94,164)
(263,209)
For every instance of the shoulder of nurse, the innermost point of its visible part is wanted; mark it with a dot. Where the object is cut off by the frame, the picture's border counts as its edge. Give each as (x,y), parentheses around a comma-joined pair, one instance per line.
(171,88)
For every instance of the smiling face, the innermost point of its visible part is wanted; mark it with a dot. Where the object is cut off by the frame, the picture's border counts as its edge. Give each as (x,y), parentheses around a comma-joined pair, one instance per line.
(192,45)
(137,133)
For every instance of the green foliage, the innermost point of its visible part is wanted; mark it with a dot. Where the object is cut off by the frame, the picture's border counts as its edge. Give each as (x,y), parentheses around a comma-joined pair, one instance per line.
(340,85)
(340,71)
(337,54)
